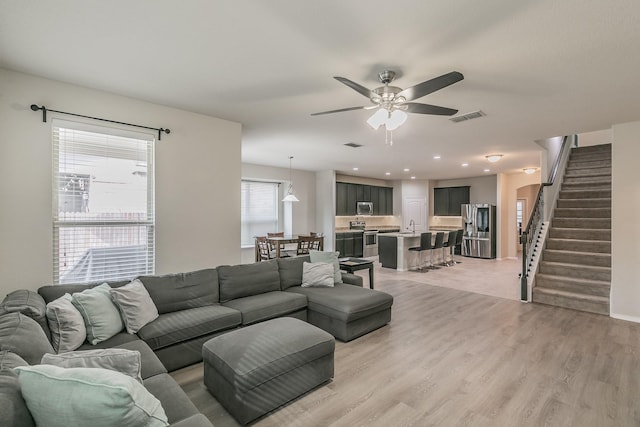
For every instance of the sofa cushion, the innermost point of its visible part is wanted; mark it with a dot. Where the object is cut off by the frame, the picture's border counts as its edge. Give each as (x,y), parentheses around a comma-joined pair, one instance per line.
(290,270)
(174,292)
(120,360)
(151,365)
(114,341)
(53,292)
(101,316)
(66,324)
(13,408)
(345,302)
(87,396)
(237,281)
(176,404)
(22,335)
(135,305)
(183,325)
(257,308)
(30,304)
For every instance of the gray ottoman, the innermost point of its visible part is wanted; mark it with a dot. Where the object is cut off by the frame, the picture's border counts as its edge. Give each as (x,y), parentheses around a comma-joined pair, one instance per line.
(256,369)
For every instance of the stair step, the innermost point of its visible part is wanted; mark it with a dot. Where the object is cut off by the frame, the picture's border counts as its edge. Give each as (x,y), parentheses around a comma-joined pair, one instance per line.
(577,245)
(589,303)
(588,163)
(585,194)
(596,155)
(586,185)
(590,272)
(591,171)
(582,213)
(592,148)
(577,258)
(585,203)
(587,180)
(580,233)
(581,223)
(569,284)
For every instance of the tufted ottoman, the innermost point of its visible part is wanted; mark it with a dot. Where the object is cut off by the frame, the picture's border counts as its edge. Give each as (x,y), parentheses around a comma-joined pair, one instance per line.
(254,370)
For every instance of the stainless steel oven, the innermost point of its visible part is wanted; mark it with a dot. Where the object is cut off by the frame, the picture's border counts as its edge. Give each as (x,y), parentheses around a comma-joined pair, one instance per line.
(370,243)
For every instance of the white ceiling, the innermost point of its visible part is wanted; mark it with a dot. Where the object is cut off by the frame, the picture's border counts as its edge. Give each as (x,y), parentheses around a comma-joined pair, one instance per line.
(537,68)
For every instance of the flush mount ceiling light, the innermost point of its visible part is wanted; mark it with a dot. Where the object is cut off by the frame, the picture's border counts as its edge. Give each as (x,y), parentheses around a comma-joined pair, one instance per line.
(529,171)
(493,157)
(290,197)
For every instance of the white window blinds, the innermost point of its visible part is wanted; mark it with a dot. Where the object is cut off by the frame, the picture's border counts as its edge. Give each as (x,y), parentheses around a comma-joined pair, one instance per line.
(259,210)
(103,203)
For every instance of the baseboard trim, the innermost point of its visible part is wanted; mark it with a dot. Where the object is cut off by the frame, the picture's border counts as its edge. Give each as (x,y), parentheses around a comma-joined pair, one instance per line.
(635,319)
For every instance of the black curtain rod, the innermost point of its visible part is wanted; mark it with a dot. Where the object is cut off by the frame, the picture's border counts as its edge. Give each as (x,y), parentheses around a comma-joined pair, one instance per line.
(44,109)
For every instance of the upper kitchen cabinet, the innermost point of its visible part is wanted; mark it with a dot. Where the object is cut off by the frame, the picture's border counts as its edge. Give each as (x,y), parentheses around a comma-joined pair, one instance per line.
(447,200)
(348,195)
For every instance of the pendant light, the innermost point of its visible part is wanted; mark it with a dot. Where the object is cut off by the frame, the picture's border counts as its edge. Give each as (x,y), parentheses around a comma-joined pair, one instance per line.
(290,197)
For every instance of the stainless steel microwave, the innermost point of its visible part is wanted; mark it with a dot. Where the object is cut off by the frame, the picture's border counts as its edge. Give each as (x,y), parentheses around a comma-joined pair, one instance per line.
(364,208)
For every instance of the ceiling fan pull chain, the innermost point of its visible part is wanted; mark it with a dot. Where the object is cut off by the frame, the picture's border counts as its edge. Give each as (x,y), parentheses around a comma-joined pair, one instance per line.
(388,137)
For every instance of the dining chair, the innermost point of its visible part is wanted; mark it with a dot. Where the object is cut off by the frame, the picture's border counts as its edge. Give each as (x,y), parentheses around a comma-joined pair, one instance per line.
(307,243)
(265,252)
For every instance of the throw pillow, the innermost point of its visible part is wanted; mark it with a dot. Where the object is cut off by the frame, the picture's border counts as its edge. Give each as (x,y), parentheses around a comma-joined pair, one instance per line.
(66,324)
(331,258)
(22,335)
(120,360)
(59,397)
(101,316)
(135,305)
(27,302)
(316,274)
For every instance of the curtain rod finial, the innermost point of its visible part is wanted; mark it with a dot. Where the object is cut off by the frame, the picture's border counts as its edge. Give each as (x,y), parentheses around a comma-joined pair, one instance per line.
(34,107)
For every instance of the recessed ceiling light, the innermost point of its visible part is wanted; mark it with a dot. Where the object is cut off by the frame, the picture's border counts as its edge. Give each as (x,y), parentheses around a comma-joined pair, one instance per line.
(355,169)
(493,157)
(529,171)
(413,177)
(406,169)
(387,173)
(487,170)
(436,157)
(464,165)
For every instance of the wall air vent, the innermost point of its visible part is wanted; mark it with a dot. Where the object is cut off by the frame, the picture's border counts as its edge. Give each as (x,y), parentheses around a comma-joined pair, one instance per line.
(468,116)
(353,145)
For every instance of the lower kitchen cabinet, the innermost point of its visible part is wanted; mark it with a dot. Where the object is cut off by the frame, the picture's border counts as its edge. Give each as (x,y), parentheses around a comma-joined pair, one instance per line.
(349,244)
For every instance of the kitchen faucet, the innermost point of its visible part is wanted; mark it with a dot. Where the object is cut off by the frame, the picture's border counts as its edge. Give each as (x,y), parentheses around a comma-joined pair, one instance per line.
(412,224)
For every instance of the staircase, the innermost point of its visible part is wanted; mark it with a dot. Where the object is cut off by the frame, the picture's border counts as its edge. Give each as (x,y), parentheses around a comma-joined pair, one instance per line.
(575,270)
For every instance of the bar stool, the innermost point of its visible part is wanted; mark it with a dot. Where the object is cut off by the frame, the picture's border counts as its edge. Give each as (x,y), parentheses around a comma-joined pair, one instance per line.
(458,243)
(437,245)
(425,245)
(449,244)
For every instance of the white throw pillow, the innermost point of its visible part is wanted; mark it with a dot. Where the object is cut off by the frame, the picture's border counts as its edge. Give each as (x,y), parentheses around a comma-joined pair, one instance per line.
(135,305)
(331,258)
(59,397)
(317,274)
(121,360)
(66,325)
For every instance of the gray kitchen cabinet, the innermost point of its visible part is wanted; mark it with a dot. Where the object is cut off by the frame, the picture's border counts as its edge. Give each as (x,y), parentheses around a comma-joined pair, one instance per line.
(348,195)
(447,200)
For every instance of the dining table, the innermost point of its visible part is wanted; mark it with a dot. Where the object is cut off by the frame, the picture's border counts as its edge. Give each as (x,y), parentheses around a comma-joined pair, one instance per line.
(277,242)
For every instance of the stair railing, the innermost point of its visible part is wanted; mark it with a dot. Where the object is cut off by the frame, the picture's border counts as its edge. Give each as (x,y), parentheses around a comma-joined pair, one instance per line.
(530,235)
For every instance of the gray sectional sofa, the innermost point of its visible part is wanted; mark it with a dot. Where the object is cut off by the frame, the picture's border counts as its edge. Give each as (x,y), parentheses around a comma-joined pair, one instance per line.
(194,307)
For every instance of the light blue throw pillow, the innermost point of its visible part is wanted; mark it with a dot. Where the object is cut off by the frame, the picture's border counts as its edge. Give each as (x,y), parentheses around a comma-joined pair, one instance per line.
(59,397)
(101,316)
(331,258)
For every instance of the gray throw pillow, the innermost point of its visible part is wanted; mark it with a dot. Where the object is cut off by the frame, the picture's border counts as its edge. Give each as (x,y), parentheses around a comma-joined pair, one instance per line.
(27,302)
(331,258)
(317,274)
(135,304)
(22,335)
(121,360)
(66,325)
(101,316)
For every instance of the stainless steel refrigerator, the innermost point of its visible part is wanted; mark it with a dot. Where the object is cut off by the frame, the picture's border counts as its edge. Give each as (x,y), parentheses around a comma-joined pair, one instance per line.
(479,224)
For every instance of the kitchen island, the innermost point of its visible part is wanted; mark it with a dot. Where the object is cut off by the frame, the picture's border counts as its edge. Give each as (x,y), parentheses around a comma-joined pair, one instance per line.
(393,250)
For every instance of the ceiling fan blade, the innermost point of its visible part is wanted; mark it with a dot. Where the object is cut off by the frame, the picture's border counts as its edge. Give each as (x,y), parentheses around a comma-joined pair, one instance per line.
(414,107)
(430,86)
(358,88)
(338,111)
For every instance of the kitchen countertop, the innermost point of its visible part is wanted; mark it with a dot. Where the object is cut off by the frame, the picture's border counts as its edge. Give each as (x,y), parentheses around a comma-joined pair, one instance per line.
(380,228)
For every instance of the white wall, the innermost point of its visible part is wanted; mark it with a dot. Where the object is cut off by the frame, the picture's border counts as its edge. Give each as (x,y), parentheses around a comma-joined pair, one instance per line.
(326,207)
(197,179)
(597,137)
(507,224)
(625,228)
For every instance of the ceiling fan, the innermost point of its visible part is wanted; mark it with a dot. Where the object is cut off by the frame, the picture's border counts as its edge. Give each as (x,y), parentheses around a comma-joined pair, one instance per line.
(392,102)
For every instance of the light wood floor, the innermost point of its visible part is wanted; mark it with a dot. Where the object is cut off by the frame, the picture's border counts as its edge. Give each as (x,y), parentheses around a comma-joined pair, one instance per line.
(455,358)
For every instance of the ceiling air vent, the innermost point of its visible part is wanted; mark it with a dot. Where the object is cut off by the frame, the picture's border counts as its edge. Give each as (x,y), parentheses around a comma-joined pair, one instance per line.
(468,116)
(353,145)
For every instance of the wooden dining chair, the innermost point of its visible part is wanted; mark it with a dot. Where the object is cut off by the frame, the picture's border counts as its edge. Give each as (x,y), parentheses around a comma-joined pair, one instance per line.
(265,252)
(307,243)
(278,234)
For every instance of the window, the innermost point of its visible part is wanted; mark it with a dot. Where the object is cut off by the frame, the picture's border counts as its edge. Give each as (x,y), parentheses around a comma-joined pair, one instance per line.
(259,210)
(520,215)
(103,203)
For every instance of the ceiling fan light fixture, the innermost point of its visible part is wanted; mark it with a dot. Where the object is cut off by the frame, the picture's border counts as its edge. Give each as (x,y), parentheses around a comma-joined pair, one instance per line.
(494,157)
(378,118)
(396,119)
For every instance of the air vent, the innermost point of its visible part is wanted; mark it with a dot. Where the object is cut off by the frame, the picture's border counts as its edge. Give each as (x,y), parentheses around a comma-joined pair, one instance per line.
(353,145)
(468,116)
